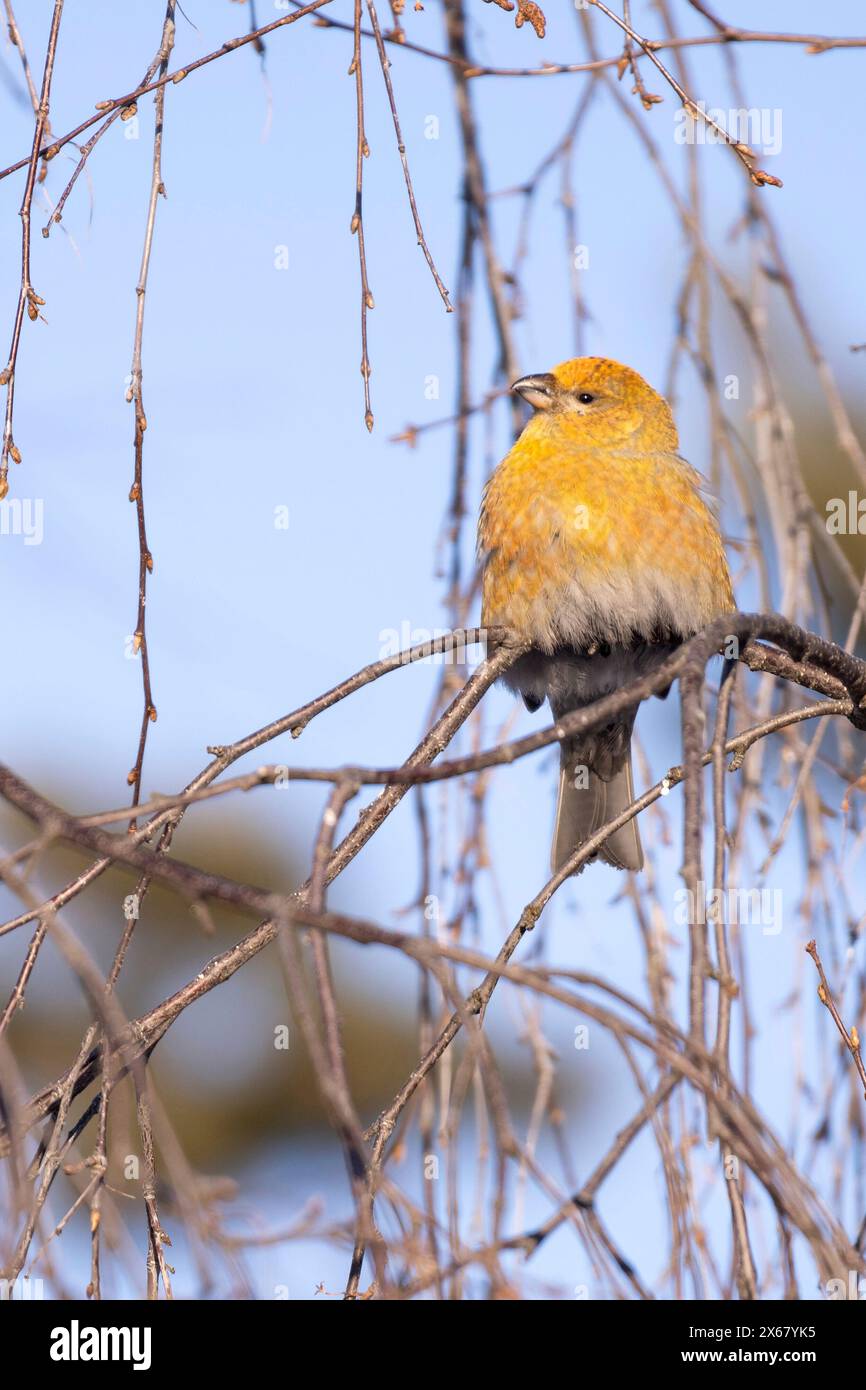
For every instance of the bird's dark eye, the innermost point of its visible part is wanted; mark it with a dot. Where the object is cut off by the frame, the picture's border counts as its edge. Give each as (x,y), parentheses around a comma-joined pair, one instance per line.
(586,398)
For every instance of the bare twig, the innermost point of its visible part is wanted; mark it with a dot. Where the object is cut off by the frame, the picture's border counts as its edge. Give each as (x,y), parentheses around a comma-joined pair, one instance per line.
(27,297)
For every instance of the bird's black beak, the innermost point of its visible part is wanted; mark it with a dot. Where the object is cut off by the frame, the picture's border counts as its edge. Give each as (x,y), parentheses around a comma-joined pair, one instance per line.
(537,390)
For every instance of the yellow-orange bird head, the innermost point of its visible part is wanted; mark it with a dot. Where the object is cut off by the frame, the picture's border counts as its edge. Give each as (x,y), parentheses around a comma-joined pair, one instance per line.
(597,402)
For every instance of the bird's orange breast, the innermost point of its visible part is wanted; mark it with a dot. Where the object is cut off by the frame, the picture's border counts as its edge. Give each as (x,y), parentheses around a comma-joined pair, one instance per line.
(581,544)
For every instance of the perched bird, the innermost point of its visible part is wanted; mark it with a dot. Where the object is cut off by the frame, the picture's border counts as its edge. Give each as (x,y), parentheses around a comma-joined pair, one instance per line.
(598,548)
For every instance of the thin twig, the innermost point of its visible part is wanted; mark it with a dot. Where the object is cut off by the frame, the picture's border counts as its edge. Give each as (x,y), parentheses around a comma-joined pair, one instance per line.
(850,1039)
(27,297)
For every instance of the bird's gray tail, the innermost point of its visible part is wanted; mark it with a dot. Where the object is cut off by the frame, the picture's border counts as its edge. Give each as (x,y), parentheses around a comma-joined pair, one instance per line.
(586,803)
